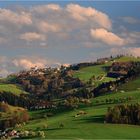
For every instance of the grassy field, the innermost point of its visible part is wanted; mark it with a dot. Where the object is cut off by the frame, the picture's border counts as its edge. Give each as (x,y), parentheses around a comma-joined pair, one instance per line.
(127,58)
(86,73)
(12,89)
(86,126)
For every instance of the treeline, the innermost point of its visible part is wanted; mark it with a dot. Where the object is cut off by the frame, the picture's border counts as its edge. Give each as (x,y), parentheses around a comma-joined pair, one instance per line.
(12,99)
(124,114)
(82,65)
(29,102)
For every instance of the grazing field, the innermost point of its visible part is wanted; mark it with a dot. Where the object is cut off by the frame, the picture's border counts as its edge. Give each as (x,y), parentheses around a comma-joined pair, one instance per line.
(12,89)
(127,58)
(87,72)
(90,125)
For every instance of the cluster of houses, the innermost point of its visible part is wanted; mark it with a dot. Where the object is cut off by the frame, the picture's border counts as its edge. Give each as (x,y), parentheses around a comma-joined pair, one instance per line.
(35,71)
(103,60)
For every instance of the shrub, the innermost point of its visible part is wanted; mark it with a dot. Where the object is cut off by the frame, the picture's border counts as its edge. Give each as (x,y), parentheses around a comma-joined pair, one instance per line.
(4,107)
(41,134)
(97,101)
(45,126)
(32,134)
(50,114)
(18,125)
(71,102)
(25,134)
(61,125)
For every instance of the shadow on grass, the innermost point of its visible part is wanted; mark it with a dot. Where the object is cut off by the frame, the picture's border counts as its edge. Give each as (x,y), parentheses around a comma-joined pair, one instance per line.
(51,129)
(57,128)
(92,119)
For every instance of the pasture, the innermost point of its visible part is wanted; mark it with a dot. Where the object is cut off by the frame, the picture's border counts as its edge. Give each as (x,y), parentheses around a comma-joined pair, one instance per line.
(89,125)
(12,88)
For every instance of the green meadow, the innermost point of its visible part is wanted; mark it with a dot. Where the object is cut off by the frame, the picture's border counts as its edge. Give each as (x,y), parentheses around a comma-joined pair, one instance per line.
(90,125)
(17,90)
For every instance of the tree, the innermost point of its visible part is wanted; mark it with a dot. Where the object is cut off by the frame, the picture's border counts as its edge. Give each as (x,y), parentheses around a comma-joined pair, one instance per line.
(4,107)
(127,114)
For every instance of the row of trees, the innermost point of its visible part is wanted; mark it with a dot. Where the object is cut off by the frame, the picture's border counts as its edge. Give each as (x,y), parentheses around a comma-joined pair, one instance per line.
(21,100)
(114,100)
(74,102)
(125,114)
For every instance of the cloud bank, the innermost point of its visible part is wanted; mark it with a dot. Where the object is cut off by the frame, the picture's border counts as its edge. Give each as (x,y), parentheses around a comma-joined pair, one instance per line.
(57,29)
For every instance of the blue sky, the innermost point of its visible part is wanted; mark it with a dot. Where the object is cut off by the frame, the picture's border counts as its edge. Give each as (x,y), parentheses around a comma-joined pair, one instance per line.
(113,8)
(51,33)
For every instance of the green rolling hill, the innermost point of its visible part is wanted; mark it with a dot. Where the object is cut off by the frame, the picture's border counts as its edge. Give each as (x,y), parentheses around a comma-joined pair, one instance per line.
(90,125)
(12,88)
(86,126)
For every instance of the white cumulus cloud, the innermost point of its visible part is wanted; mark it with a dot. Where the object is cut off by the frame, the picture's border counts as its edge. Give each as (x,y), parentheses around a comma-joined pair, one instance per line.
(45,8)
(16,18)
(44,26)
(84,14)
(107,37)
